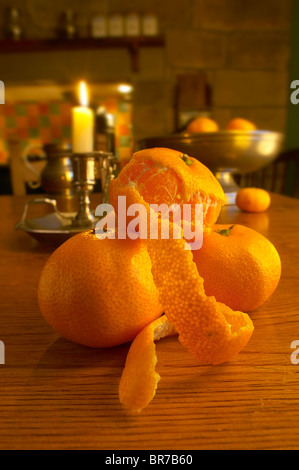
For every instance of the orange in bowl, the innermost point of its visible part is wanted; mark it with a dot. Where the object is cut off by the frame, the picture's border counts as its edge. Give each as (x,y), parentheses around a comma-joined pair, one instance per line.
(240,124)
(202,124)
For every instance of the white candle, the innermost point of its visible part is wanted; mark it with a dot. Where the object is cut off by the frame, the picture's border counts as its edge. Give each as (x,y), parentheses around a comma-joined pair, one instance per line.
(83,124)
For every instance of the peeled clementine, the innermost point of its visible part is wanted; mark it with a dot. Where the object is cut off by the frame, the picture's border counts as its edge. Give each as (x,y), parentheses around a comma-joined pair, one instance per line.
(166,176)
(202,124)
(99,293)
(240,267)
(253,199)
(240,124)
(211,331)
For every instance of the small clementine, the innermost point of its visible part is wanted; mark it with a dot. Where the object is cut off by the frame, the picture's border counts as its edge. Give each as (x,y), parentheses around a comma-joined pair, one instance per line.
(253,199)
(240,267)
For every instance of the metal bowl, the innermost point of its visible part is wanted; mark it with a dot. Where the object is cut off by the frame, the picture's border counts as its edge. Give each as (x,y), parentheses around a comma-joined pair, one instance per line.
(225,153)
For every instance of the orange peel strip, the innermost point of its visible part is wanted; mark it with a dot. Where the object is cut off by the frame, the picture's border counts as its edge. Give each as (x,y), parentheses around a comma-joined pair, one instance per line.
(211,331)
(139,379)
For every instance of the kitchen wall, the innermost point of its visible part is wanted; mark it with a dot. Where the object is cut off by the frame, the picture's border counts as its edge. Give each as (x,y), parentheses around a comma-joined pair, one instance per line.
(244,47)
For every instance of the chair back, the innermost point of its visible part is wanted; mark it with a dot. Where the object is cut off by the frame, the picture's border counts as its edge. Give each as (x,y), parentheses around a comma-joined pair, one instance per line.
(281,176)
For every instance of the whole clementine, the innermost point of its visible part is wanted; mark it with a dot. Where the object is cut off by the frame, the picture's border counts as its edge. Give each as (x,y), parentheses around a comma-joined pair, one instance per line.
(253,199)
(240,124)
(240,267)
(99,293)
(202,124)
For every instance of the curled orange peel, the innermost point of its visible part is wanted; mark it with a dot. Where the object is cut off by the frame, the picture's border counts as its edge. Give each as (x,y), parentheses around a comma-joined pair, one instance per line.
(211,331)
(139,379)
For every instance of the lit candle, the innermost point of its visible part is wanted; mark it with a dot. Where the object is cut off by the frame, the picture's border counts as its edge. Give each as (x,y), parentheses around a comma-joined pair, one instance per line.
(83,123)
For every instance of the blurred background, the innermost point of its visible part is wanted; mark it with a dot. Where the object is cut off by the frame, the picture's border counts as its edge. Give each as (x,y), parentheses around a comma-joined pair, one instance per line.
(150,66)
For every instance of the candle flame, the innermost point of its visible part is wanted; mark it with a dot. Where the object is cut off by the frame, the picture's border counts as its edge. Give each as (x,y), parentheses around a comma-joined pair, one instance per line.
(125,88)
(83,94)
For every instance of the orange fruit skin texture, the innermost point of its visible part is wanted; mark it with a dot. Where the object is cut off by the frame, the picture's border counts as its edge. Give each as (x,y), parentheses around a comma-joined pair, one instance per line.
(253,199)
(241,270)
(160,175)
(99,293)
(240,124)
(202,124)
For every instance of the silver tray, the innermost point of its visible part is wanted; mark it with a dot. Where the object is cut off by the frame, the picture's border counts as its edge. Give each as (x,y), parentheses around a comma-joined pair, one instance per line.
(54,228)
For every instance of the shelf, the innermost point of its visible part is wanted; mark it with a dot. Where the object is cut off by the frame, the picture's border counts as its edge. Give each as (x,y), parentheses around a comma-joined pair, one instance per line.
(133,44)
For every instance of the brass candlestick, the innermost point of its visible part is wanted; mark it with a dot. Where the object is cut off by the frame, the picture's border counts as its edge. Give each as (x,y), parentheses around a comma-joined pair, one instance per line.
(85,167)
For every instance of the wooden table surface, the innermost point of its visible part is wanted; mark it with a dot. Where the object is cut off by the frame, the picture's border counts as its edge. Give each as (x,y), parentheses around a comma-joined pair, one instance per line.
(58,395)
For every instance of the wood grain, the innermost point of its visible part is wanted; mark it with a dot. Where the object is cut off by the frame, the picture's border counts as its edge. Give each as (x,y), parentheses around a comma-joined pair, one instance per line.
(58,395)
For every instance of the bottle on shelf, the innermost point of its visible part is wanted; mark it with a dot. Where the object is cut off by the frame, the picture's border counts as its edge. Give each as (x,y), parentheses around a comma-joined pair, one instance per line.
(116,25)
(99,27)
(150,24)
(68,28)
(132,24)
(104,130)
(14,28)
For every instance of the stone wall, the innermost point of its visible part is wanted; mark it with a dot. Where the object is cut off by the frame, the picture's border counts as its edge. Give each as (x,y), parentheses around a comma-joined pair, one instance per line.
(243,45)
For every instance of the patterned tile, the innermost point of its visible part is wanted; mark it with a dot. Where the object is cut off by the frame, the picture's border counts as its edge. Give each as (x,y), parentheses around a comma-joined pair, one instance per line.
(44,122)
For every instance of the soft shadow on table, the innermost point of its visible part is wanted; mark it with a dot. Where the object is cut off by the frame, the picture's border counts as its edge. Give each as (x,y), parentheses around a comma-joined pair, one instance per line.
(258,221)
(18,241)
(64,354)
(72,377)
